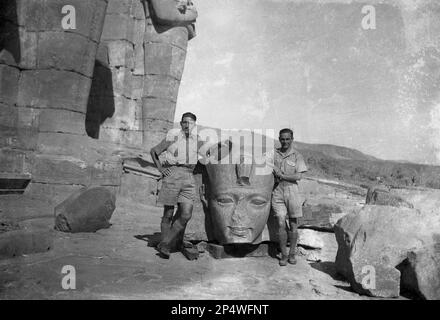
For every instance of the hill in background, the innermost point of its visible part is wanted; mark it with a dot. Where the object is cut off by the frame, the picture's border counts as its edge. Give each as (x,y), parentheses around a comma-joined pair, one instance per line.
(352,166)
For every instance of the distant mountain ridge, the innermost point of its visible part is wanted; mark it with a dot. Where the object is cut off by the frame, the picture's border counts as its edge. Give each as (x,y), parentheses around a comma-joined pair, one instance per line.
(353,166)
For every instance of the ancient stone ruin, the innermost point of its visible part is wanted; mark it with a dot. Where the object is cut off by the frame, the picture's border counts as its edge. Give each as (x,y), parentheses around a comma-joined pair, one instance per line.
(87,87)
(79,98)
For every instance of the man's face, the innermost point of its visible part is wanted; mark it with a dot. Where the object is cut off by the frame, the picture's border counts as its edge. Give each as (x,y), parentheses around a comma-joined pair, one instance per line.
(239,214)
(285,140)
(187,125)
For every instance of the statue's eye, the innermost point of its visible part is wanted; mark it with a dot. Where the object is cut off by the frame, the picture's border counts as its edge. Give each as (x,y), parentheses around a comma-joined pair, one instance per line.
(258,202)
(225,200)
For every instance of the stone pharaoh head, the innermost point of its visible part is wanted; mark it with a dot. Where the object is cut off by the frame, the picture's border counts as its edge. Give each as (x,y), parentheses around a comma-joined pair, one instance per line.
(238,201)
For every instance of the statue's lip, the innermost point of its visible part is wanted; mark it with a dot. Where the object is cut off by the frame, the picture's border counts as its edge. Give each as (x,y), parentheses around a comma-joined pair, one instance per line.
(239,231)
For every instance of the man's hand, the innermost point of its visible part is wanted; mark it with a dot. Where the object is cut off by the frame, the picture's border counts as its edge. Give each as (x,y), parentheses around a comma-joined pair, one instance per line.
(166,172)
(277,172)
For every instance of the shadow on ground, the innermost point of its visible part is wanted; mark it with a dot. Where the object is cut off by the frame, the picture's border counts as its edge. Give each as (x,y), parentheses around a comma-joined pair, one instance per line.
(152,239)
(329,268)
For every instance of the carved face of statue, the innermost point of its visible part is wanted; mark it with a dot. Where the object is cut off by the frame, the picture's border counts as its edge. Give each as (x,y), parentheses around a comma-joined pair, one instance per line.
(238,207)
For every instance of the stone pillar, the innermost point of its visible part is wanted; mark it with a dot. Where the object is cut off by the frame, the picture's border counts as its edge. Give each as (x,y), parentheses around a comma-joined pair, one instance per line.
(114,109)
(137,76)
(165,53)
(45,74)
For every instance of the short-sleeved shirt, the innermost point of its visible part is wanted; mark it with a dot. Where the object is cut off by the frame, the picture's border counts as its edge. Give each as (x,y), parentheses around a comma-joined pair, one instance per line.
(290,162)
(179,149)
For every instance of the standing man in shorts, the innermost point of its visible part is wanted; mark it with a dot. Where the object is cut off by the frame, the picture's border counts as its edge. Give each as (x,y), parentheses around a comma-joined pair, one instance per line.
(178,185)
(289,166)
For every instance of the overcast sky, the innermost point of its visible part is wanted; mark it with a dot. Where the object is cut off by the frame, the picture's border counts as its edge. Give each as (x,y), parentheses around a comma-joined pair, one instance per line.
(284,63)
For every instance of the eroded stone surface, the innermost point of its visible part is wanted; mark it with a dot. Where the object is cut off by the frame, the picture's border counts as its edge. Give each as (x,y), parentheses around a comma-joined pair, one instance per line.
(378,239)
(87,210)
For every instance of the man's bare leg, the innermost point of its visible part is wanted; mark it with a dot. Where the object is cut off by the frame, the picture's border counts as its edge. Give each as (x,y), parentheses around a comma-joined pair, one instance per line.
(282,238)
(167,218)
(165,227)
(183,215)
(293,239)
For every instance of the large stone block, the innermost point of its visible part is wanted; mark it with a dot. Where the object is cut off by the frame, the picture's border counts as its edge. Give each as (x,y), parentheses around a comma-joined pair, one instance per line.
(161,87)
(8,124)
(52,120)
(87,210)
(121,53)
(421,272)
(53,89)
(138,10)
(139,57)
(119,6)
(106,172)
(15,161)
(60,170)
(9,84)
(127,84)
(66,51)
(176,36)
(160,109)
(118,27)
(51,193)
(138,31)
(19,47)
(154,131)
(18,127)
(28,49)
(373,242)
(66,144)
(57,169)
(19,207)
(117,135)
(164,59)
(37,15)
(18,242)
(376,196)
(124,116)
(139,188)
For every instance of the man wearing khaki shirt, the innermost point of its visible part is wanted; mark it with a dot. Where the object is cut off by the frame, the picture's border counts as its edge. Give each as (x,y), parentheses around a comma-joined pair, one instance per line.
(178,184)
(289,166)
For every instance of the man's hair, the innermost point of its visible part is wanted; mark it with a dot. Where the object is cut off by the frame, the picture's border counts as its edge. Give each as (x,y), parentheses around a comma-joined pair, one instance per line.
(190,115)
(286,130)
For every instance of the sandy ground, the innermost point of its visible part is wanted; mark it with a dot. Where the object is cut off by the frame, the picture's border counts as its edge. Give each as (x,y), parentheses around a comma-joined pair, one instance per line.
(117,263)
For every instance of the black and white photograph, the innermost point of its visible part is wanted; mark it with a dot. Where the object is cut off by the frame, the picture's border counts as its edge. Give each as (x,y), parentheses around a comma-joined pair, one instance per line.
(236,152)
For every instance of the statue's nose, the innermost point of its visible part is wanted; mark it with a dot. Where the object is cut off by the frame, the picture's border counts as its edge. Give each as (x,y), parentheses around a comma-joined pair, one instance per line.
(240,216)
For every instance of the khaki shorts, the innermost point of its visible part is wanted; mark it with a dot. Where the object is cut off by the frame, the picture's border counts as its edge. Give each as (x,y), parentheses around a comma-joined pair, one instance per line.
(178,187)
(286,201)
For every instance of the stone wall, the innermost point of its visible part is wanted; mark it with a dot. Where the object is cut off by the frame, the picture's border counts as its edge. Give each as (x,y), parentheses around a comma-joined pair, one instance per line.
(74,103)
(137,76)
(45,78)
(45,75)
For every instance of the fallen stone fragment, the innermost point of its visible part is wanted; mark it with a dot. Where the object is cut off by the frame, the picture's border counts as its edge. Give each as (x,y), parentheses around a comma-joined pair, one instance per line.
(190,252)
(86,210)
(372,243)
(310,239)
(423,199)
(421,272)
(376,196)
(319,215)
(18,242)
